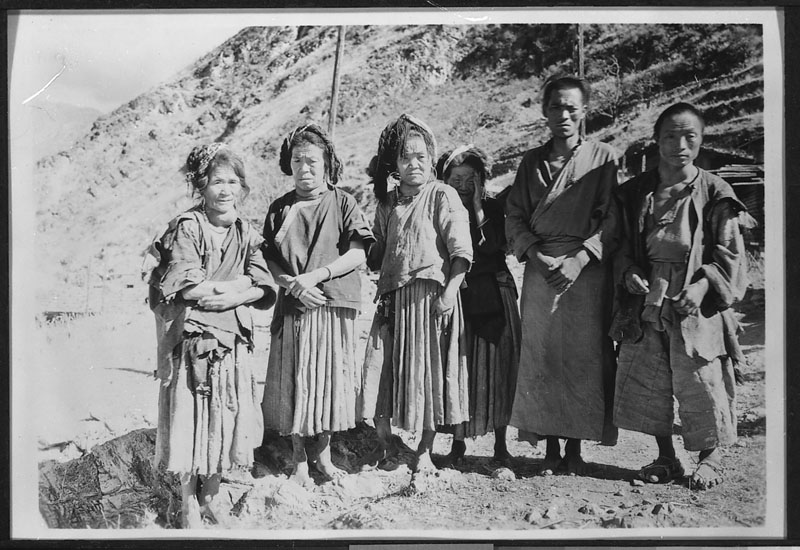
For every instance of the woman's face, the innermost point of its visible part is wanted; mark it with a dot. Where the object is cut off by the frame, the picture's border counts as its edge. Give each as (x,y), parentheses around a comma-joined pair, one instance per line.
(679,140)
(308,169)
(414,163)
(223,190)
(464,179)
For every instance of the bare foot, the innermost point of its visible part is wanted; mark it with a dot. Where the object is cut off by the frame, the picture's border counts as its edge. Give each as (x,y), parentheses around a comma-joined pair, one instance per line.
(550,465)
(575,466)
(424,463)
(190,514)
(300,475)
(328,469)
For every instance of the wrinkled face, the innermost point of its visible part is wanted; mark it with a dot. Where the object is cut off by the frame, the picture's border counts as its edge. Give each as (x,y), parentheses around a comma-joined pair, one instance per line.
(414,162)
(222,191)
(564,112)
(679,140)
(464,179)
(308,168)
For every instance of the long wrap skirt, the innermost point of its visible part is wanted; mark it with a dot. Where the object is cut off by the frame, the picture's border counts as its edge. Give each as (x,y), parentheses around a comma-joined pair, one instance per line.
(415,370)
(313,382)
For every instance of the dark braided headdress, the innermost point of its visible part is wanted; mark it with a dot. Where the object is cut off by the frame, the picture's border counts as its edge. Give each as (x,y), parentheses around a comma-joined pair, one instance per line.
(474,156)
(392,140)
(198,161)
(311,133)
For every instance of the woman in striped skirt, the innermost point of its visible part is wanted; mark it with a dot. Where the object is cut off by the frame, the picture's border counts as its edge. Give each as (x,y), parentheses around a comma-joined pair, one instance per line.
(315,237)
(415,370)
(490,307)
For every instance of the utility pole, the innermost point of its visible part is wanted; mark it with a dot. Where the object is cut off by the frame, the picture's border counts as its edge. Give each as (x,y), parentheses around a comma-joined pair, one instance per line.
(581,71)
(335,88)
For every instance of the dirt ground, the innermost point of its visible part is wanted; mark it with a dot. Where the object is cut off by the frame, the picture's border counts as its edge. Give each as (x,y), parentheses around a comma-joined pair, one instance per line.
(96,374)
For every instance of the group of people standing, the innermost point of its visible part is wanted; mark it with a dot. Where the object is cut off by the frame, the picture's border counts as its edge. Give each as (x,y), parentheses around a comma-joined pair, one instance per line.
(653,264)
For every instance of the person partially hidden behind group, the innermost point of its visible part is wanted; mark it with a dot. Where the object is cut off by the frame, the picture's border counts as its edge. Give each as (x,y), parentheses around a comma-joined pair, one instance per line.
(415,369)
(491,317)
(207,265)
(681,266)
(560,222)
(315,236)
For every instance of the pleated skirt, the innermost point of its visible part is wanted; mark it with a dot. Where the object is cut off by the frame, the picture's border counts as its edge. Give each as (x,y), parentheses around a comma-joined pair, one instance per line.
(313,381)
(415,369)
(493,370)
(209,434)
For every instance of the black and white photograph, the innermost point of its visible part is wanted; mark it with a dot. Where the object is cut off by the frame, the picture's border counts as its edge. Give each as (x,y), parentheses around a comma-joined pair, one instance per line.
(443,274)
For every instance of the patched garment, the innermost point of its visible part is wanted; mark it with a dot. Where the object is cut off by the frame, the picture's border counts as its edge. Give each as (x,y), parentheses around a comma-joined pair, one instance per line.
(664,353)
(209,420)
(566,369)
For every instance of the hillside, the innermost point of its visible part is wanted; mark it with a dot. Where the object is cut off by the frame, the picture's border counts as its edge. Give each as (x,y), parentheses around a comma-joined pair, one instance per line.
(58,125)
(101,199)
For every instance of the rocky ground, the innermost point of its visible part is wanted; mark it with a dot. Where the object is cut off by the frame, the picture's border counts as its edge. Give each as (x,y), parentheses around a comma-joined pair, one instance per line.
(96,436)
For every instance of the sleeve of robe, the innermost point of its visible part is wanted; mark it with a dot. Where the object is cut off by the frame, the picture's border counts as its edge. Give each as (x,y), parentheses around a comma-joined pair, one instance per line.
(452,224)
(519,208)
(724,261)
(376,251)
(258,271)
(185,267)
(604,211)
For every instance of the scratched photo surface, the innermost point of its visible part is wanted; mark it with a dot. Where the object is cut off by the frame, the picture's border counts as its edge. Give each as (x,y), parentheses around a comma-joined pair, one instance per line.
(106,106)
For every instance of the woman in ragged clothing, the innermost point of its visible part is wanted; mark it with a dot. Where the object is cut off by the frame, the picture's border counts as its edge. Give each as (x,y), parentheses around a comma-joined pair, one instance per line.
(208,265)
(490,307)
(415,370)
(315,237)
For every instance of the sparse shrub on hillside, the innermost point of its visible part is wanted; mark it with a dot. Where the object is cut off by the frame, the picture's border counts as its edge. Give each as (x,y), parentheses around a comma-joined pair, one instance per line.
(519,50)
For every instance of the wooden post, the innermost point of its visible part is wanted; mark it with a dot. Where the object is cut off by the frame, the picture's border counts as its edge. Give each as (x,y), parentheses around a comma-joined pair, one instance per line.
(335,86)
(581,71)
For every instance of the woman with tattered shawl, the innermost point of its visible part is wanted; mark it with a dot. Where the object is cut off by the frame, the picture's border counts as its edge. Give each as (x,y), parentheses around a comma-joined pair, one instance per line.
(681,266)
(559,220)
(209,266)
(314,239)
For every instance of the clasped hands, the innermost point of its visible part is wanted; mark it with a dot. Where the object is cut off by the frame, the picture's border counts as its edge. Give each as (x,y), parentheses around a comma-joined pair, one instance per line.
(687,302)
(304,287)
(561,273)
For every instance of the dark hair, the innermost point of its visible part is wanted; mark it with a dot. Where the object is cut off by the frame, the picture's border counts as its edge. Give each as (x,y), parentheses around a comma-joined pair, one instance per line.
(391,143)
(678,109)
(313,135)
(203,160)
(469,155)
(565,83)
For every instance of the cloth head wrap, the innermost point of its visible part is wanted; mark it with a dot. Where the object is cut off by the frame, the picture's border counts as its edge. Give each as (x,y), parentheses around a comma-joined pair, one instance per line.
(296,136)
(392,138)
(459,156)
(198,161)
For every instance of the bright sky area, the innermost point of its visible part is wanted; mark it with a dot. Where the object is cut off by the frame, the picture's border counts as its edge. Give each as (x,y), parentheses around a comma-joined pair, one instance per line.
(110,57)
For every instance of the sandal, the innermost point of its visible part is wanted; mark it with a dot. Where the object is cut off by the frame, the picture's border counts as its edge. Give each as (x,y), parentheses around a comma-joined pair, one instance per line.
(662,470)
(707,474)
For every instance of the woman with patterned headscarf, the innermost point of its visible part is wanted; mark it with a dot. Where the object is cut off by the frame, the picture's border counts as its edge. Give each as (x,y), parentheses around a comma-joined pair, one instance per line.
(415,371)
(209,265)
(315,236)
(490,306)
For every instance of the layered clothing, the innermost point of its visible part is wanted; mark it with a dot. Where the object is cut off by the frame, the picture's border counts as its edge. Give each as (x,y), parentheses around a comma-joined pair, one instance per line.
(566,374)
(208,406)
(492,324)
(695,234)
(415,370)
